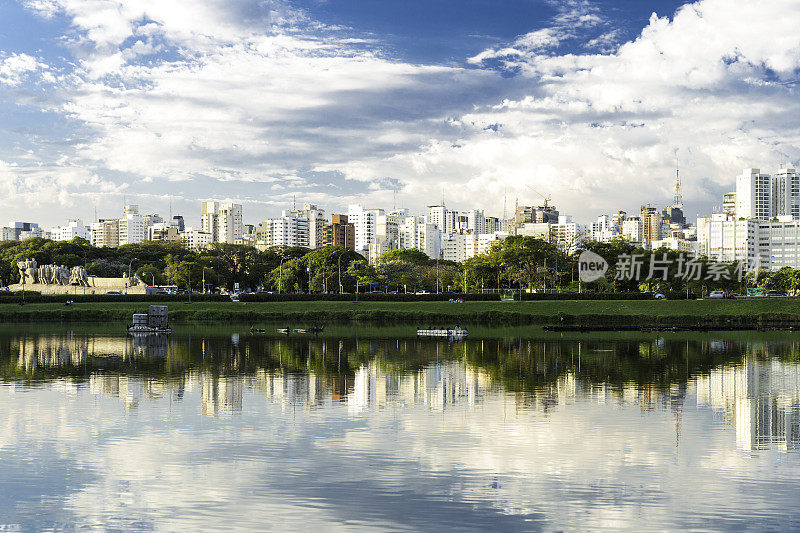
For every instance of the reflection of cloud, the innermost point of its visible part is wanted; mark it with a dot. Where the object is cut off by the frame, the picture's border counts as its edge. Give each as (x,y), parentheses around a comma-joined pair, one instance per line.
(440,446)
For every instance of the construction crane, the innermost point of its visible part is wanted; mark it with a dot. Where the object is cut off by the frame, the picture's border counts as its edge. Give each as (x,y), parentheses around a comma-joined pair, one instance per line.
(546,198)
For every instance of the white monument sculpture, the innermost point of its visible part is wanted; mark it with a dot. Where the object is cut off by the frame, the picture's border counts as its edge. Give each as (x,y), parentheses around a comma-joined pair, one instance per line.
(30,273)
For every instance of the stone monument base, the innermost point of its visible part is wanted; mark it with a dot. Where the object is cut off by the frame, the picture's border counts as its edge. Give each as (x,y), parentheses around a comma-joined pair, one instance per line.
(96,286)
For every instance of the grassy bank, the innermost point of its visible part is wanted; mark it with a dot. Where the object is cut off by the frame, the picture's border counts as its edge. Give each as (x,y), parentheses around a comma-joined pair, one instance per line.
(661,313)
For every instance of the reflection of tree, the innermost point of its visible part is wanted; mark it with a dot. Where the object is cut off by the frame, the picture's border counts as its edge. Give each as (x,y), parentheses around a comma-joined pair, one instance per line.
(535,369)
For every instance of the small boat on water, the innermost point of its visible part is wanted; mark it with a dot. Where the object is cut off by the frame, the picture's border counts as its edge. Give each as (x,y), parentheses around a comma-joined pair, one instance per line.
(301,331)
(155,322)
(285,331)
(456,332)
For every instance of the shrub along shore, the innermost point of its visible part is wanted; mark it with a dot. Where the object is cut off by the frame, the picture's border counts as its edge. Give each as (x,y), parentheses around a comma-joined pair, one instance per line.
(723,314)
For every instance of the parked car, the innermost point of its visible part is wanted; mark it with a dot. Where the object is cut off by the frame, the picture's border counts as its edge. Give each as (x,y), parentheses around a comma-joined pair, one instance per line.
(775,294)
(659,296)
(114,293)
(718,294)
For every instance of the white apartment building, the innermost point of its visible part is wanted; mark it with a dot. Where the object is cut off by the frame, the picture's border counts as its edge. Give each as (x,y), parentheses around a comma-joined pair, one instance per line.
(675,243)
(492,225)
(632,230)
(567,235)
(131,226)
(223,220)
(459,246)
(316,221)
(34,233)
(539,230)
(163,231)
(473,221)
(105,233)
(444,219)
(726,238)
(604,229)
(387,234)
(364,222)
(19,231)
(415,232)
(74,228)
(777,243)
(151,219)
(487,241)
(786,193)
(286,230)
(196,239)
(754,194)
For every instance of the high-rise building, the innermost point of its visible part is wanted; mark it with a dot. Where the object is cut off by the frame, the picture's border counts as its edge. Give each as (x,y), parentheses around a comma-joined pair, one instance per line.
(786,193)
(196,239)
(15,231)
(105,233)
(651,224)
(74,228)
(316,221)
(632,229)
(725,238)
(475,221)
(286,230)
(178,222)
(604,229)
(339,233)
(444,219)
(223,220)
(415,232)
(491,225)
(365,223)
(163,231)
(543,214)
(754,195)
(131,226)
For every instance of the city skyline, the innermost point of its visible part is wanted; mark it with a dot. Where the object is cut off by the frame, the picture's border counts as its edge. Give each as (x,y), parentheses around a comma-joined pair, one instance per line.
(588,102)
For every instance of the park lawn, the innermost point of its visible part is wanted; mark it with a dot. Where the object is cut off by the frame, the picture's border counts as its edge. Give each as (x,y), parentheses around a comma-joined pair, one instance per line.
(533,312)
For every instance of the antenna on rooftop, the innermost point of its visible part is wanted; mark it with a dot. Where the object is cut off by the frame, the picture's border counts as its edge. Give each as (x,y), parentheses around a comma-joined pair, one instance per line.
(394,202)
(677,200)
(294,202)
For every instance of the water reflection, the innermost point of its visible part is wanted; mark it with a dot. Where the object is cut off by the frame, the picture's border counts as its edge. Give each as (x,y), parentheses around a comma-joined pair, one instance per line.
(502,432)
(753,386)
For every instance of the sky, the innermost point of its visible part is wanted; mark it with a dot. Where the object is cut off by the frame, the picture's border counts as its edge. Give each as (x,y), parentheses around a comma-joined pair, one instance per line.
(483,102)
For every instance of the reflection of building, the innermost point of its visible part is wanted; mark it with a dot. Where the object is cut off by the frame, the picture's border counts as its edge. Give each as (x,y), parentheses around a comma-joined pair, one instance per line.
(435,386)
(762,400)
(51,352)
(220,394)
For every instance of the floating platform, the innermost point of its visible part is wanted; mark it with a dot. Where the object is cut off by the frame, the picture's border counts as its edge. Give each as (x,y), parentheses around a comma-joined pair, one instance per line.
(156,322)
(456,332)
(147,330)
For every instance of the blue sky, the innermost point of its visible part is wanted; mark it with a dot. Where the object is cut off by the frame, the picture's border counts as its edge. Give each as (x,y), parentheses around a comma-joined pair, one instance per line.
(342,101)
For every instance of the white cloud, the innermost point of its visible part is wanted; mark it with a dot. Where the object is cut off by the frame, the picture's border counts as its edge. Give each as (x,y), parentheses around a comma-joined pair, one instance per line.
(226,91)
(599,131)
(14,68)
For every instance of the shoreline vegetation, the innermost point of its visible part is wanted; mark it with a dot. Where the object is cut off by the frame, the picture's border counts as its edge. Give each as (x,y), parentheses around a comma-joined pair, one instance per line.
(755,313)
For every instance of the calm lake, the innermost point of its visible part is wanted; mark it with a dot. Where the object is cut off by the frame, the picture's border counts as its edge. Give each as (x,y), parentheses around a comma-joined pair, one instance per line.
(370,428)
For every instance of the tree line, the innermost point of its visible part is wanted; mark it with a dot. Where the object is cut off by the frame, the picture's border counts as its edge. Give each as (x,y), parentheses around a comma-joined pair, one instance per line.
(518,262)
